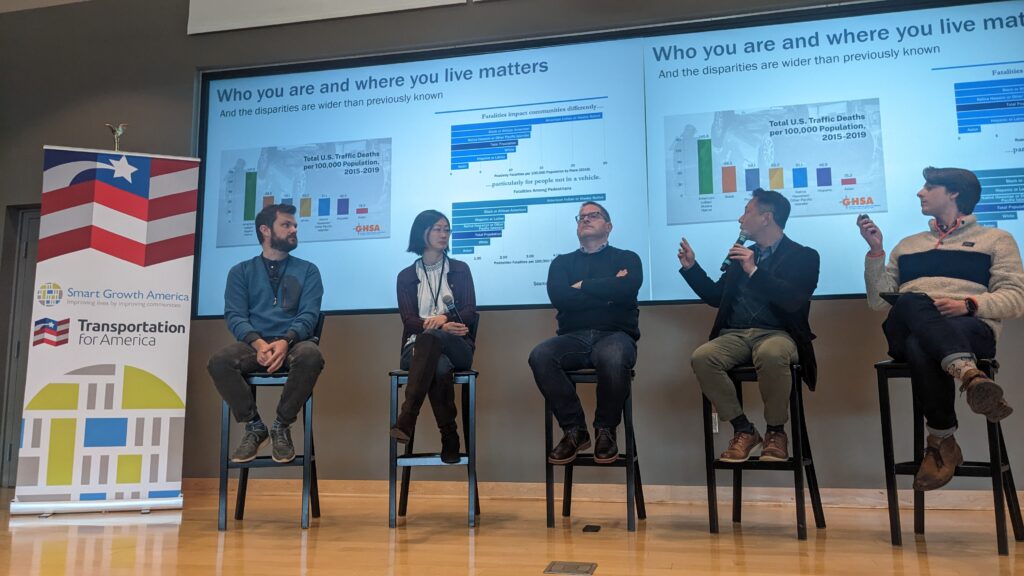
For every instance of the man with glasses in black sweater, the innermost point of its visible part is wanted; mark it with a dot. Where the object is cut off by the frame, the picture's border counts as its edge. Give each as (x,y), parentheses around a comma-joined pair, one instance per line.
(594,290)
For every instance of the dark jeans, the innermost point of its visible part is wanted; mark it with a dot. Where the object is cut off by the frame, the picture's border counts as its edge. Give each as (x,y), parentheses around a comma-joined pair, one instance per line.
(430,362)
(612,354)
(920,336)
(231,364)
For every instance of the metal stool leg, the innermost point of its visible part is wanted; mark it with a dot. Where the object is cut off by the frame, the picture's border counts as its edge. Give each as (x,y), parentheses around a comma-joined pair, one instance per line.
(307,449)
(222,500)
(641,506)
(243,483)
(630,466)
(567,490)
(709,466)
(549,469)
(737,473)
(393,456)
(888,457)
(798,458)
(403,495)
(812,477)
(469,431)
(995,465)
(918,455)
(1011,490)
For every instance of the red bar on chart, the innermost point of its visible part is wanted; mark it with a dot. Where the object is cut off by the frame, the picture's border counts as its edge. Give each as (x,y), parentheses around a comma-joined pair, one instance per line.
(848,181)
(362,210)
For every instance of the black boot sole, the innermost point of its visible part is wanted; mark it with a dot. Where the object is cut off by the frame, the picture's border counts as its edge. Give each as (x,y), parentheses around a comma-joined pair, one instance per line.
(399,435)
(579,449)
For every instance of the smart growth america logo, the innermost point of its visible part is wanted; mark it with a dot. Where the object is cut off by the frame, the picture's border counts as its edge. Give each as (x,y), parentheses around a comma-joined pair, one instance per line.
(49,294)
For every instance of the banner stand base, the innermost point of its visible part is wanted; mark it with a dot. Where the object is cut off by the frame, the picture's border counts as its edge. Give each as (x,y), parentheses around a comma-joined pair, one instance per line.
(38,508)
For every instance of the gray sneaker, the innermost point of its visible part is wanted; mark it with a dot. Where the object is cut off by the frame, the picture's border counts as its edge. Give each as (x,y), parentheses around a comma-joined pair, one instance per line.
(251,443)
(281,444)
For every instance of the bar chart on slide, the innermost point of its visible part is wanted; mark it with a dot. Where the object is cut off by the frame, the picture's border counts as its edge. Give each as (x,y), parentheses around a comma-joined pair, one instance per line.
(340,190)
(1002,195)
(493,141)
(987,104)
(826,158)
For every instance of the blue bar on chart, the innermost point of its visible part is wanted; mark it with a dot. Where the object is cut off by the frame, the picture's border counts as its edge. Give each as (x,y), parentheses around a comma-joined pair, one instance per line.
(988,102)
(490,141)
(799,177)
(342,206)
(824,176)
(753,179)
(323,207)
(1002,195)
(288,201)
(475,223)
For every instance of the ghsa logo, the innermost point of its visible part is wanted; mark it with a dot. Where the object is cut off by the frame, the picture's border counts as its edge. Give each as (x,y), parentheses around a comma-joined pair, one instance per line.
(367,228)
(857,201)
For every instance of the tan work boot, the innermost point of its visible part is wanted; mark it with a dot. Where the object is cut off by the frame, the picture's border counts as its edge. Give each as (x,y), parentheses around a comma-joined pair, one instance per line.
(740,447)
(941,457)
(984,396)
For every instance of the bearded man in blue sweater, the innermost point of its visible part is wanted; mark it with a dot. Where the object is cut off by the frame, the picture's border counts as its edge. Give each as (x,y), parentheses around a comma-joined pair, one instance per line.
(271,306)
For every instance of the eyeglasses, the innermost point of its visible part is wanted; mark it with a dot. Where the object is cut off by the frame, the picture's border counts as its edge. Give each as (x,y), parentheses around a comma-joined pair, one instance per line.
(590,216)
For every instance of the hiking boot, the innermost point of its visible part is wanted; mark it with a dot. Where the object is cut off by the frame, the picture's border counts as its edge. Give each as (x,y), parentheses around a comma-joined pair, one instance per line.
(450,445)
(740,446)
(775,447)
(252,441)
(281,447)
(941,457)
(605,450)
(984,396)
(574,440)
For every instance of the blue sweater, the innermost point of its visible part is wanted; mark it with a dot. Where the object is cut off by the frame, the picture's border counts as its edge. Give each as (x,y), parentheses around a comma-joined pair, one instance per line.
(249,300)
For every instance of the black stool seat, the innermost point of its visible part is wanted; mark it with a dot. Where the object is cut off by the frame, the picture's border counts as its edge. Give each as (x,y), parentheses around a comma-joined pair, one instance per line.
(626,459)
(409,459)
(997,467)
(799,462)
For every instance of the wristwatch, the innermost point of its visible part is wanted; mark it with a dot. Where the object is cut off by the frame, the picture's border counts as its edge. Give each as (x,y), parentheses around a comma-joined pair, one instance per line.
(972,306)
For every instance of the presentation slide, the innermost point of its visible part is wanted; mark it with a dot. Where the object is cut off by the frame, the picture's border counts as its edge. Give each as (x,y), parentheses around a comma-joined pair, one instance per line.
(670,132)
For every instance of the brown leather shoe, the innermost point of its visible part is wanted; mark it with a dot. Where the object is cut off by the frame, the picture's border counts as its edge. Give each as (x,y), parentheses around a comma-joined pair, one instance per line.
(740,446)
(775,448)
(941,457)
(984,396)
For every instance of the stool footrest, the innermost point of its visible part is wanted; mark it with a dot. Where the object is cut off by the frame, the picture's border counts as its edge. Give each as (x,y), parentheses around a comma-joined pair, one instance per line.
(587,459)
(267,462)
(755,463)
(430,459)
(969,469)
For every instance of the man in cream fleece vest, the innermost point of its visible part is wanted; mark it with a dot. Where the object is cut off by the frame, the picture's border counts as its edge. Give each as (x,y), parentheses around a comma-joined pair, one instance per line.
(957,282)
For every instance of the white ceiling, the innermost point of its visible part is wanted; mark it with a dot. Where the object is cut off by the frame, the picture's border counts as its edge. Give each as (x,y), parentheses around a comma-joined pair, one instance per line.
(15,5)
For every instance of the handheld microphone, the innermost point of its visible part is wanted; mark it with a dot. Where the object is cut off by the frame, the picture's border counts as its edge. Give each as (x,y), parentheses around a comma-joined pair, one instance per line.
(740,241)
(449,303)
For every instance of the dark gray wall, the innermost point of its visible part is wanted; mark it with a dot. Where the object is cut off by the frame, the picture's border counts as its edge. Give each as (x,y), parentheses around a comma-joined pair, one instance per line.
(66,70)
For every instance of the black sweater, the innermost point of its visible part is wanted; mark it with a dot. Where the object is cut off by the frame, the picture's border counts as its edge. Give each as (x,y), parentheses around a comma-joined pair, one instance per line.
(603,302)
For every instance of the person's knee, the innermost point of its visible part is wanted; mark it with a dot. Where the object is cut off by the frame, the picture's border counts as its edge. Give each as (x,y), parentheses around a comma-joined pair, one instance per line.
(222,361)
(705,358)
(616,356)
(307,355)
(775,354)
(541,355)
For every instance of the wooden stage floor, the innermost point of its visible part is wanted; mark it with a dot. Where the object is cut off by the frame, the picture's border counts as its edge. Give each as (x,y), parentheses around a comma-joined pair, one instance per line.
(352,537)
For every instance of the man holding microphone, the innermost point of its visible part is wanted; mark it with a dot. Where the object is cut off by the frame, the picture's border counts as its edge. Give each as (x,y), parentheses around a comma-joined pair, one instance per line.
(763,300)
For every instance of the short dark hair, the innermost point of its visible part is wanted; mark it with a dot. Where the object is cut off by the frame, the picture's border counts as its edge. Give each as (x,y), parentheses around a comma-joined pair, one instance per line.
(772,201)
(604,213)
(964,182)
(268,216)
(420,226)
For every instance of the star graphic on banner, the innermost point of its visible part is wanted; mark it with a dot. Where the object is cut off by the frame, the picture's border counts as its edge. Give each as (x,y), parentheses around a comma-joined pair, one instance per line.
(122,169)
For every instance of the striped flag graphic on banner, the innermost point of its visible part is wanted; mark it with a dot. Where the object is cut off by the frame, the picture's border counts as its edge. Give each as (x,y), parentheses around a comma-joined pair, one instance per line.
(50,331)
(140,209)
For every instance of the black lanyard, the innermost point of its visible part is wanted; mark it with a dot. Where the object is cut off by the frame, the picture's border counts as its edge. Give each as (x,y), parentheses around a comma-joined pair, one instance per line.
(274,279)
(440,279)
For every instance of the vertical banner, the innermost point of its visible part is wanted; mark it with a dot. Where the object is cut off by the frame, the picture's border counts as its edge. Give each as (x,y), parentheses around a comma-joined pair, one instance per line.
(104,418)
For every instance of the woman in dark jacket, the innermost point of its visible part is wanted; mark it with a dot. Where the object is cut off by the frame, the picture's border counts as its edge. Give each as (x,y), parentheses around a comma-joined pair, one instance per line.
(437,340)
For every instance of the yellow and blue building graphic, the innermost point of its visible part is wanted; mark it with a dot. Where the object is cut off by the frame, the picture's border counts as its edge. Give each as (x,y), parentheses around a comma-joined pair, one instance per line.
(102,432)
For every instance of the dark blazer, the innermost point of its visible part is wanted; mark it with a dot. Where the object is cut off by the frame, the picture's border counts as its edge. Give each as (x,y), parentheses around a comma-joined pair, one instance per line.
(788,278)
(460,280)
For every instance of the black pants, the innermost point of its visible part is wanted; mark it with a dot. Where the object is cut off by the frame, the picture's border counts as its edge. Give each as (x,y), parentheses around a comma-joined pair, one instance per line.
(430,362)
(612,354)
(920,336)
(231,364)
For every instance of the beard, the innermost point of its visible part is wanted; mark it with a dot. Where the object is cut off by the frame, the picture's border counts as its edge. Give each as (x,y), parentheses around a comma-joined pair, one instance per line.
(286,244)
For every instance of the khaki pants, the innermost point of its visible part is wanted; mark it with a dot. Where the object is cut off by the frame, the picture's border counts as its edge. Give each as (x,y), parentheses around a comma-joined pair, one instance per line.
(770,351)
